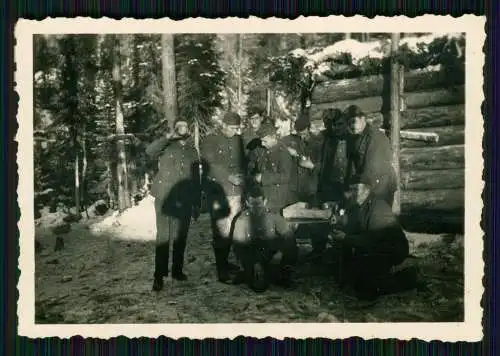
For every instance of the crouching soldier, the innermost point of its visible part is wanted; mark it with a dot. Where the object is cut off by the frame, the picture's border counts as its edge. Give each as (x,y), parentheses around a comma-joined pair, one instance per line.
(258,235)
(374,243)
(173,199)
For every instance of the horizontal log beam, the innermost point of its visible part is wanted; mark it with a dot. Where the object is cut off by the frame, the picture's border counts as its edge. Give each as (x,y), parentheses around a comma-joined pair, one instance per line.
(374,104)
(348,89)
(430,117)
(431,158)
(435,199)
(448,135)
(435,179)
(417,136)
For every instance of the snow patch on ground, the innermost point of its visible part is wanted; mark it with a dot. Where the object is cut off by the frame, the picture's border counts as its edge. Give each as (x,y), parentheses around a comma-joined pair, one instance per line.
(135,223)
(49,219)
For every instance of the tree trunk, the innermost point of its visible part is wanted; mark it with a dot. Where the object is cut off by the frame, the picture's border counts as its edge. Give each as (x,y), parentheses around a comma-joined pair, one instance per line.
(347,36)
(395,124)
(84,172)
(169,79)
(109,186)
(77,182)
(121,168)
(239,95)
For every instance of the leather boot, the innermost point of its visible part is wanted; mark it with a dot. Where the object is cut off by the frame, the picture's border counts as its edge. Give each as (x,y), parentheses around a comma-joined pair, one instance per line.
(177,266)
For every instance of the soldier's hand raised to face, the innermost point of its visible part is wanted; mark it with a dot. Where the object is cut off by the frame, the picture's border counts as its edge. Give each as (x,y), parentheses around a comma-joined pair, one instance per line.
(305,162)
(292,151)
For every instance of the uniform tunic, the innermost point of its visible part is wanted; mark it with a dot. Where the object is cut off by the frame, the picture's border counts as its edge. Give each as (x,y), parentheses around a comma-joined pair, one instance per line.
(279,177)
(225,157)
(370,159)
(332,169)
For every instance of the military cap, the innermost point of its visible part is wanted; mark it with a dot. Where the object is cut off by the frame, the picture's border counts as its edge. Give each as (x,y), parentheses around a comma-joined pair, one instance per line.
(302,123)
(180,122)
(255,191)
(353,111)
(332,116)
(360,179)
(232,119)
(266,129)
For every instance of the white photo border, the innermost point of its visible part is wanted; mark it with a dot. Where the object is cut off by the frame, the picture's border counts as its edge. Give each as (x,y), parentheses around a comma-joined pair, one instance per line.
(469,330)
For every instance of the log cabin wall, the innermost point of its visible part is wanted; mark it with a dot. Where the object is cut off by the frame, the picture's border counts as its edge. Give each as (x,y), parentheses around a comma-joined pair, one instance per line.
(432,174)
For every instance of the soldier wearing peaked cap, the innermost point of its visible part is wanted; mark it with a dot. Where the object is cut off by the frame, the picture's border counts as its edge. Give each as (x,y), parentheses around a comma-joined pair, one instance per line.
(175,153)
(369,155)
(224,152)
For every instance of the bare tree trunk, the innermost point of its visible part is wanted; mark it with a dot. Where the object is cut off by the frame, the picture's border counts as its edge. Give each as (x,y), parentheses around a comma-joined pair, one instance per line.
(77,181)
(395,113)
(109,186)
(84,172)
(239,95)
(347,36)
(121,169)
(169,79)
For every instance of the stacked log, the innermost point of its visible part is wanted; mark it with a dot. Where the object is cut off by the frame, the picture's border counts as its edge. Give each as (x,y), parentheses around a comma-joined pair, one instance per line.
(432,174)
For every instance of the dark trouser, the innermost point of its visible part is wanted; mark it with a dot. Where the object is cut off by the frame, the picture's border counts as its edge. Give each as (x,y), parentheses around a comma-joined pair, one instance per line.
(222,235)
(170,228)
(330,191)
(368,260)
(250,252)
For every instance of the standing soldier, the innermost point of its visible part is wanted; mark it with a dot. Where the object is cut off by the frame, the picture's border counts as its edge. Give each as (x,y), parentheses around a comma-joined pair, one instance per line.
(369,155)
(298,147)
(275,170)
(225,155)
(173,215)
(333,157)
(249,134)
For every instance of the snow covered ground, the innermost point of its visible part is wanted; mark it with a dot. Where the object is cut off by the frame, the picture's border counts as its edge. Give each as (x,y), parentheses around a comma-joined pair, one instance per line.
(104,275)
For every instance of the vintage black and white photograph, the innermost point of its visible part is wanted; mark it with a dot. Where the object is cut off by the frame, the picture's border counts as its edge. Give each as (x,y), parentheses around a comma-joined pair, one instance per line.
(239,177)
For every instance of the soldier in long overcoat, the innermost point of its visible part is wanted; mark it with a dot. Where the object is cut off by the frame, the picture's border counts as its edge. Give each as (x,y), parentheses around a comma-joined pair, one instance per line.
(174,199)
(223,150)
(333,164)
(369,155)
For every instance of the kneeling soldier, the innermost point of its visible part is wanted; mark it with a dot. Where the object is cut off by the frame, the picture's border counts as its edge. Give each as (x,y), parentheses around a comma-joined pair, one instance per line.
(374,242)
(258,235)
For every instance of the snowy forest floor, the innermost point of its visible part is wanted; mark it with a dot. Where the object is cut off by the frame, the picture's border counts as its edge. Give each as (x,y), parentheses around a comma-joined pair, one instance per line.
(104,275)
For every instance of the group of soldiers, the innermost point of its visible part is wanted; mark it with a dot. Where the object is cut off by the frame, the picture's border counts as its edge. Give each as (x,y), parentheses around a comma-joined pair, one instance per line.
(243,178)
